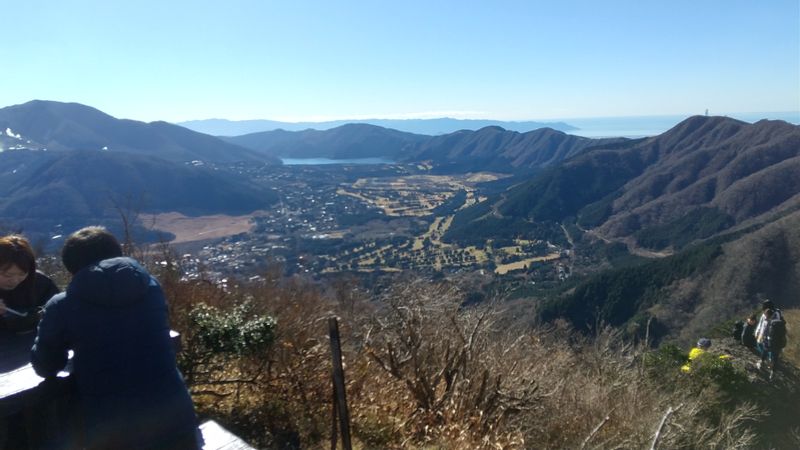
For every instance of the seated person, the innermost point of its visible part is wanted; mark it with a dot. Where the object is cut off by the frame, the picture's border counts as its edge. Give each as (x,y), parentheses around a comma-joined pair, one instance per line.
(748,337)
(113,315)
(23,290)
(703,344)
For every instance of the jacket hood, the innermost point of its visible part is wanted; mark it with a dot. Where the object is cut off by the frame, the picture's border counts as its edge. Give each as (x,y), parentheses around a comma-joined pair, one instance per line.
(115,282)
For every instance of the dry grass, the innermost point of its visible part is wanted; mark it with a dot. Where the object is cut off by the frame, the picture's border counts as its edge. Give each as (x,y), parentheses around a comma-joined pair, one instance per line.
(189,229)
(792,351)
(423,372)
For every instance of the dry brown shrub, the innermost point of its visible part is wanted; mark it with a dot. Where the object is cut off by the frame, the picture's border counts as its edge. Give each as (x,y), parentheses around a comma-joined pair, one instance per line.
(423,371)
(462,378)
(598,397)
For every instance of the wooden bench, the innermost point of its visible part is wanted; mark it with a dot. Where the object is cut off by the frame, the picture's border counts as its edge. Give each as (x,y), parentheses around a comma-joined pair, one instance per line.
(218,438)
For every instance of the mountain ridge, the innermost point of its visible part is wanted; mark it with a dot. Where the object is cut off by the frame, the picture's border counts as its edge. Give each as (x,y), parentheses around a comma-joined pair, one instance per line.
(495,147)
(489,148)
(633,186)
(443,125)
(43,192)
(59,126)
(344,142)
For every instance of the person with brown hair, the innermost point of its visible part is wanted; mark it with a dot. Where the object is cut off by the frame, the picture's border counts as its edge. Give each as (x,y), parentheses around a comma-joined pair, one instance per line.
(23,290)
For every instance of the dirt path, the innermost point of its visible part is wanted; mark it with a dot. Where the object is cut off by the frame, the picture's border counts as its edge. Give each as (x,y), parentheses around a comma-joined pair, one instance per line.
(569,237)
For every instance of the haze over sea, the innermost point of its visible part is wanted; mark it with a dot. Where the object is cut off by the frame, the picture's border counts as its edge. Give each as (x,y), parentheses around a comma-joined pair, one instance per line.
(640,126)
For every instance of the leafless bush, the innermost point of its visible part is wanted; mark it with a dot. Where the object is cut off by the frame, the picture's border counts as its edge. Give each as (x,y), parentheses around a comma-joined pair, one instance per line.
(690,428)
(424,371)
(455,366)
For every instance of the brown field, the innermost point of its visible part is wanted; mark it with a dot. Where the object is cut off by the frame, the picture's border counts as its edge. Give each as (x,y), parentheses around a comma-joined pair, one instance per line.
(189,229)
(505,268)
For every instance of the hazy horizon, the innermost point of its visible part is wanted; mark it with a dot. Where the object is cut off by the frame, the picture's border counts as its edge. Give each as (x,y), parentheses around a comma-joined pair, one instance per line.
(592,127)
(789,116)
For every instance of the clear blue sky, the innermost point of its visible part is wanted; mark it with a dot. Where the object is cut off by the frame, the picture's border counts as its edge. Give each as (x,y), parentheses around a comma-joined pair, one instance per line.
(309,60)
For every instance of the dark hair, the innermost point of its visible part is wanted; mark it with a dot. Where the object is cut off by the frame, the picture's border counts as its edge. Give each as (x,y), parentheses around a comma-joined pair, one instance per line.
(88,246)
(767,304)
(752,317)
(15,250)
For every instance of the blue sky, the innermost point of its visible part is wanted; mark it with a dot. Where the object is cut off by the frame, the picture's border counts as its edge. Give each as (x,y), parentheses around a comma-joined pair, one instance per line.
(314,60)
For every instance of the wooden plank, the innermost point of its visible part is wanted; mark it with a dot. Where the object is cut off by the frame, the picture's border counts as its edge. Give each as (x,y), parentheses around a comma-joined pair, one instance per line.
(218,438)
(340,396)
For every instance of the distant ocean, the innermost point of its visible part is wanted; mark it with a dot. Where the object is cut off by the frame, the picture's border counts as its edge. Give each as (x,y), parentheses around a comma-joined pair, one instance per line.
(641,126)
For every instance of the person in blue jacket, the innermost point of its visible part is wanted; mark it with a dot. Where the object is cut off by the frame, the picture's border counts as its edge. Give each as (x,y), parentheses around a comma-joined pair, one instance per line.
(113,316)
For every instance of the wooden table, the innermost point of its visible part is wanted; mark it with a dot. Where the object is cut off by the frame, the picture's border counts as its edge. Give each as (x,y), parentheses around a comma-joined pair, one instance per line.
(18,380)
(218,438)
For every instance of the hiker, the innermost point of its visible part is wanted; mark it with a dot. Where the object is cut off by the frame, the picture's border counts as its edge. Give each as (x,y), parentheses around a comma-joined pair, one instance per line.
(23,290)
(768,304)
(703,344)
(113,315)
(748,336)
(770,336)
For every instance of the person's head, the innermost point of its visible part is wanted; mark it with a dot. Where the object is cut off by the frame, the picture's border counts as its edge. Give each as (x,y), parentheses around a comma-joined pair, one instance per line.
(704,343)
(17,262)
(751,319)
(88,246)
(767,304)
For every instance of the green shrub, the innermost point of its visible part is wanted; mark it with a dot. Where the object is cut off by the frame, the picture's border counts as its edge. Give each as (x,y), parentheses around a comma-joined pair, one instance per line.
(709,368)
(667,359)
(230,332)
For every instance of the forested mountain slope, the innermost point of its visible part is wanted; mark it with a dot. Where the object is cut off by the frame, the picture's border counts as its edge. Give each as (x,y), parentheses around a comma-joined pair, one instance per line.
(691,292)
(39,190)
(495,148)
(704,176)
(60,126)
(344,142)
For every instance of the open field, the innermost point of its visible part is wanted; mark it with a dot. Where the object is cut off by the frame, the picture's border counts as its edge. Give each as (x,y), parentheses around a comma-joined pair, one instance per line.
(505,268)
(190,229)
